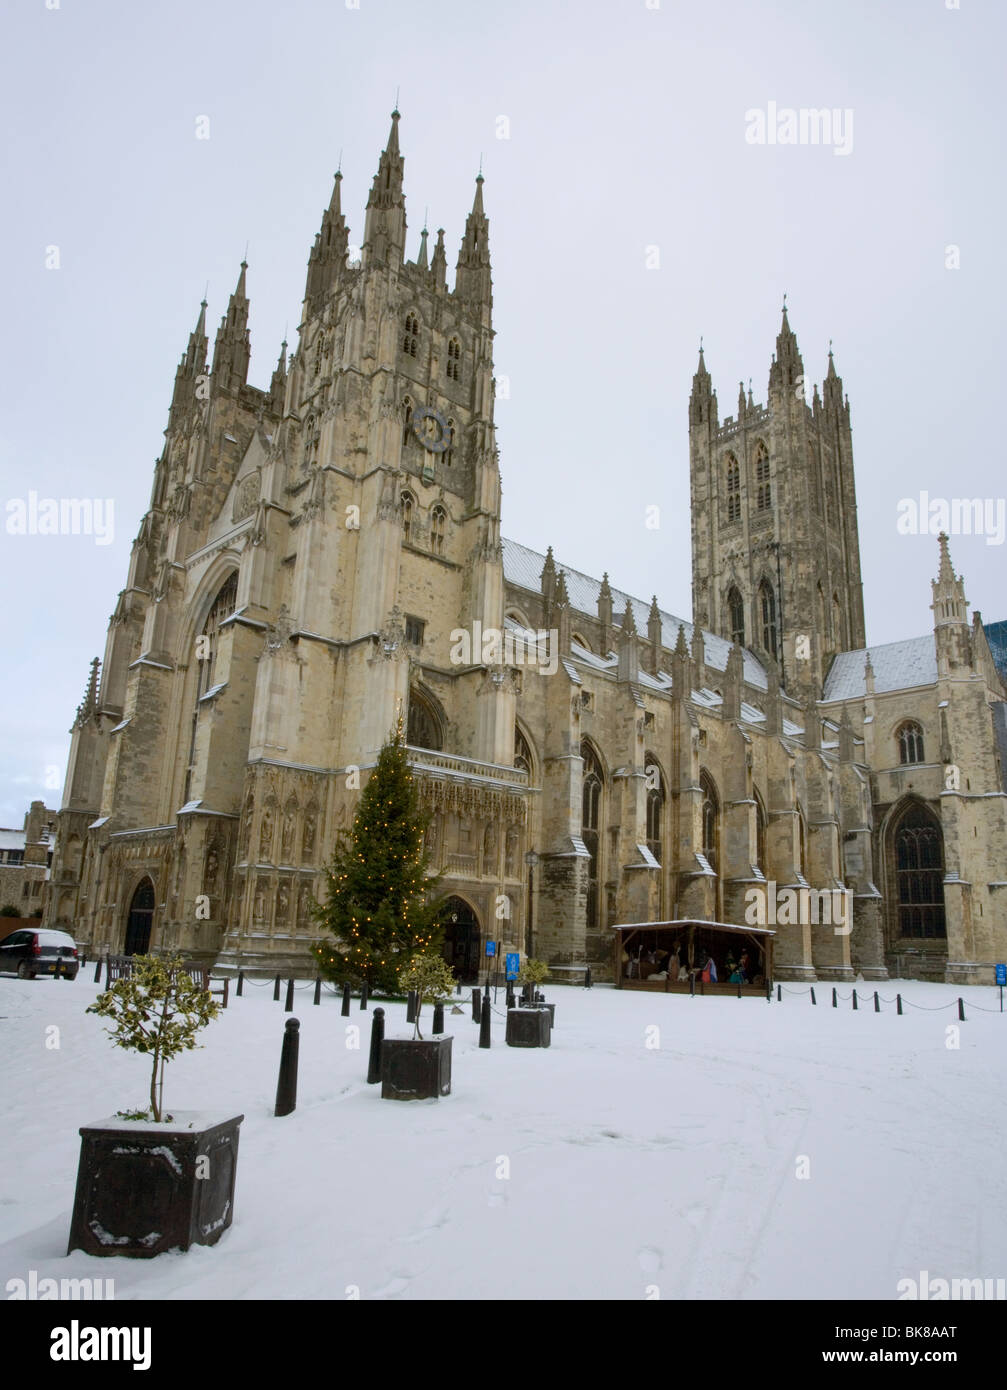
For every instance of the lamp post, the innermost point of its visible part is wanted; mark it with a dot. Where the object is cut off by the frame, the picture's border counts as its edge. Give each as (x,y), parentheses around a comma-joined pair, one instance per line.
(531,859)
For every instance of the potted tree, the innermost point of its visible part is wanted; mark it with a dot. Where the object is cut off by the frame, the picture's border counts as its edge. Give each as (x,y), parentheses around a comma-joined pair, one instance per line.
(149,1181)
(530,1024)
(419,1068)
(532,974)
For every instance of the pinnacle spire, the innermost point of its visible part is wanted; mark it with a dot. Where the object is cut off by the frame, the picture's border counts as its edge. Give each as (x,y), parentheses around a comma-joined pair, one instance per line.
(385,223)
(439,264)
(89,704)
(473,280)
(628,620)
(232,347)
(421,259)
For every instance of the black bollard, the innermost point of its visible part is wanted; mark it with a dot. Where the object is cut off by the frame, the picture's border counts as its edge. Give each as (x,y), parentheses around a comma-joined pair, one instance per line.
(854,998)
(438,1018)
(108,972)
(97,971)
(769,991)
(288,1007)
(286,1086)
(83,960)
(241,983)
(813,999)
(961,1010)
(692,984)
(877,1003)
(587,978)
(57,970)
(363,995)
(458,987)
(411,1006)
(835,998)
(276,988)
(318,991)
(739,989)
(377,1037)
(898,1003)
(484,1025)
(345,1010)
(477,1006)
(779,994)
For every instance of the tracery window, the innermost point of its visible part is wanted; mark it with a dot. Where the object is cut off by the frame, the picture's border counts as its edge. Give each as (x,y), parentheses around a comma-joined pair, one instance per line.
(910,740)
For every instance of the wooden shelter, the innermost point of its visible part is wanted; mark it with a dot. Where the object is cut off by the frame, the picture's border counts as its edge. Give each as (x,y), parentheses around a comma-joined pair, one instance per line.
(643,952)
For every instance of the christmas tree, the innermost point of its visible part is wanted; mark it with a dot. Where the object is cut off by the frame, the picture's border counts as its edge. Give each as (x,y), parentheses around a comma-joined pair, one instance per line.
(381,906)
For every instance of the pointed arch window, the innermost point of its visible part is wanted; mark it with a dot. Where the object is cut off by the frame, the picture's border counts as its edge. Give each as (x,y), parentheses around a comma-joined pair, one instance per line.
(910,741)
(438,521)
(919,873)
(655,805)
(760,833)
(410,335)
(767,608)
(710,821)
(733,488)
(206,662)
(590,825)
(423,728)
(763,487)
(736,616)
(455,360)
(407,516)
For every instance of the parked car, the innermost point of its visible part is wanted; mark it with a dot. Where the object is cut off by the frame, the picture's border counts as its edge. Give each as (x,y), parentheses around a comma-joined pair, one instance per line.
(36,952)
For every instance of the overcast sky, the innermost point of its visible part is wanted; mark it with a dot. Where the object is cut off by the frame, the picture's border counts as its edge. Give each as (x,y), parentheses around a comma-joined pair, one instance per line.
(628,128)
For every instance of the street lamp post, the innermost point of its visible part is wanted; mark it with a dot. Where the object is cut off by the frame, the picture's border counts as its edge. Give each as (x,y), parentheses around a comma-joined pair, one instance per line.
(531,859)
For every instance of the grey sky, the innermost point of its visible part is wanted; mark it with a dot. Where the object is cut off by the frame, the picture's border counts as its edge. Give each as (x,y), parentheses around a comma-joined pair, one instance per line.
(627,131)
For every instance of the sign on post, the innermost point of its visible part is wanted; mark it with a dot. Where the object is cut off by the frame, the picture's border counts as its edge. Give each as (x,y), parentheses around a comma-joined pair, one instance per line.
(1001,981)
(491,948)
(513,964)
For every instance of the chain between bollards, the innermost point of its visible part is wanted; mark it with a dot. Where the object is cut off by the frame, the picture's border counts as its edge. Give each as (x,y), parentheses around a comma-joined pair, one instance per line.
(377,1037)
(286,1086)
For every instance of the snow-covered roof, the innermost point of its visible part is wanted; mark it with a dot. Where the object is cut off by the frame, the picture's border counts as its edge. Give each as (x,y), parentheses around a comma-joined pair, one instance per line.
(12,839)
(897,666)
(523,567)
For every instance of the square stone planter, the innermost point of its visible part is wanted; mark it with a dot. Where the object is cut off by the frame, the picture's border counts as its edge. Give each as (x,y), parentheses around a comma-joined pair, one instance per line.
(529,1027)
(415,1068)
(144,1188)
(552,1011)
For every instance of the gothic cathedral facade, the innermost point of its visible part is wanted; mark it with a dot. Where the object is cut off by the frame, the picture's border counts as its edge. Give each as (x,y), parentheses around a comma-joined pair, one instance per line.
(325,555)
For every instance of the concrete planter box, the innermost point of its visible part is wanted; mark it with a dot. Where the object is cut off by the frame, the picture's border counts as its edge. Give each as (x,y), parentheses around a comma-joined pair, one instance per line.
(531,1027)
(144,1188)
(552,1011)
(415,1068)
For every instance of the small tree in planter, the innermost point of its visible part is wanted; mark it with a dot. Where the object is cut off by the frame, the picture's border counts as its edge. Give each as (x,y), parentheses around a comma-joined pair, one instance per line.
(532,972)
(158,1010)
(432,979)
(149,1182)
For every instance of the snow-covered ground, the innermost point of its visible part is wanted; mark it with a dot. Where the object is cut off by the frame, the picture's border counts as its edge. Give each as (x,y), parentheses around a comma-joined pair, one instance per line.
(602,1167)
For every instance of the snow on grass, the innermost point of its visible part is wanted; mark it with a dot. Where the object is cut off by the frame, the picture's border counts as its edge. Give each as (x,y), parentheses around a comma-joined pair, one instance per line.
(599,1168)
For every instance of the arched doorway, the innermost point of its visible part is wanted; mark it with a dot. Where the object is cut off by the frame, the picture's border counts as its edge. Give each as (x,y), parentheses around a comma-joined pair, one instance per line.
(461,940)
(138,923)
(919,874)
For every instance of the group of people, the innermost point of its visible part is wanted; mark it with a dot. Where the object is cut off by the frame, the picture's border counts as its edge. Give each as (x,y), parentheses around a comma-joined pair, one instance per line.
(656,964)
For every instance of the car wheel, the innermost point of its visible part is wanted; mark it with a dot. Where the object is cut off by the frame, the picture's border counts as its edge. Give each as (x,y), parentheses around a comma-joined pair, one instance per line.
(23,972)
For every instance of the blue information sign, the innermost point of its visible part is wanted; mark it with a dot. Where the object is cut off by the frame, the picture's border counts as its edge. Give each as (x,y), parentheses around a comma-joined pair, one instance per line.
(1002,974)
(491,948)
(513,964)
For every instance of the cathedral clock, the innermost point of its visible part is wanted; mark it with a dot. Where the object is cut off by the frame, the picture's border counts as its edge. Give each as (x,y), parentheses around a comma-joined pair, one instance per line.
(431,429)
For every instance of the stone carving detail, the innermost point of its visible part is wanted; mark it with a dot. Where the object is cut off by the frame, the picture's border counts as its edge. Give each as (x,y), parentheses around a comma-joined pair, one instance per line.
(266,833)
(246,496)
(308,834)
(289,821)
(279,632)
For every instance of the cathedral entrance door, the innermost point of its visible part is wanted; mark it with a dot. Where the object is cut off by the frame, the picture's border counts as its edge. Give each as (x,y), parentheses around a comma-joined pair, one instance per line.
(461,941)
(141,915)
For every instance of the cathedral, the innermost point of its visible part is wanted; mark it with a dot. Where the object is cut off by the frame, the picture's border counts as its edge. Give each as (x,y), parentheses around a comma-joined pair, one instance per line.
(325,555)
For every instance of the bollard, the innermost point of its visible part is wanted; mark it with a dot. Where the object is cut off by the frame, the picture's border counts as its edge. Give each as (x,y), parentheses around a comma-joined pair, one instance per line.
(363,995)
(835,998)
(813,999)
(411,1006)
(276,988)
(484,1025)
(318,991)
(877,1003)
(83,961)
(692,984)
(769,991)
(458,987)
(286,1086)
(97,971)
(854,998)
(288,1007)
(779,994)
(477,1006)
(108,972)
(739,989)
(587,978)
(898,1003)
(438,1018)
(377,1037)
(241,983)
(57,973)
(345,1010)
(961,1010)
